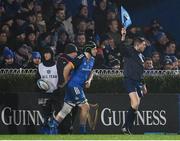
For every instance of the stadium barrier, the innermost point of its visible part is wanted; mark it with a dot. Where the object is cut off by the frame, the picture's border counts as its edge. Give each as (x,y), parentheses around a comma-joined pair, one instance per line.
(20,105)
(105,81)
(21,113)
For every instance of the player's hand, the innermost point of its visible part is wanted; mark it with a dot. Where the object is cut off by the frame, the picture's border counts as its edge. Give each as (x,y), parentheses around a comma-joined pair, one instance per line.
(87,84)
(123,34)
(144,89)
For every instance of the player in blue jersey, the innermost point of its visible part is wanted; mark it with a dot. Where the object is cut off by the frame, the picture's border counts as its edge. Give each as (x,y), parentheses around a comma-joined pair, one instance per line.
(80,72)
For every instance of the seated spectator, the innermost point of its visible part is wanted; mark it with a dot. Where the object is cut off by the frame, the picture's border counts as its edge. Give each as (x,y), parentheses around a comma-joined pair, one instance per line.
(111,55)
(161,41)
(23,55)
(148,64)
(9,61)
(114,31)
(82,15)
(170,49)
(111,14)
(178,63)
(43,41)
(31,39)
(36,60)
(63,40)
(80,41)
(156,60)
(81,26)
(175,63)
(19,39)
(168,64)
(91,34)
(40,23)
(5,28)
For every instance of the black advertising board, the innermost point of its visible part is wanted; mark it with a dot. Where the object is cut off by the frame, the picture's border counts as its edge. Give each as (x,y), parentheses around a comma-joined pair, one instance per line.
(22,113)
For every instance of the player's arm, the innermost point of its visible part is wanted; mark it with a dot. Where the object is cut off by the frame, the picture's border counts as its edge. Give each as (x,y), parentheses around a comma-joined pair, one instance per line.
(88,82)
(66,73)
(70,66)
(122,48)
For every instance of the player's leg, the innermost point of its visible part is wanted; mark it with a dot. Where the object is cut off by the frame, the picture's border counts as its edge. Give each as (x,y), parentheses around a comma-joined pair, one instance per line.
(54,123)
(134,104)
(84,110)
(81,101)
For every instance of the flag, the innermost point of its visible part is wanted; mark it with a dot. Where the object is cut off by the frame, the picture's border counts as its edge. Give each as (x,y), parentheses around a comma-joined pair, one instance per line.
(125,18)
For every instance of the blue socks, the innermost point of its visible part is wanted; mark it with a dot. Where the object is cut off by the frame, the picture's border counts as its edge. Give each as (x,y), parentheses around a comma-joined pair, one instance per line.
(53,123)
(82,128)
(53,126)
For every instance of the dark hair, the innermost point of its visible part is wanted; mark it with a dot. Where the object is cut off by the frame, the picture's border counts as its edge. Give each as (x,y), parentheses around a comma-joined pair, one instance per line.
(169,43)
(79,34)
(148,59)
(139,40)
(59,9)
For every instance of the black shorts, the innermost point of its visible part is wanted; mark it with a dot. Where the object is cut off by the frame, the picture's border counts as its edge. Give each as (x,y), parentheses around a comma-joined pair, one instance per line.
(133,86)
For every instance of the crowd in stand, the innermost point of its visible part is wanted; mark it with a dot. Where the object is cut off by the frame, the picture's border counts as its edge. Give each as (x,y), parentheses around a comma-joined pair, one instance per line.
(27,27)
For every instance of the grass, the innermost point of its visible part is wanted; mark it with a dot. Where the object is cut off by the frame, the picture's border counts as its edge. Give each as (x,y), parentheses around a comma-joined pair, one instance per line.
(90,137)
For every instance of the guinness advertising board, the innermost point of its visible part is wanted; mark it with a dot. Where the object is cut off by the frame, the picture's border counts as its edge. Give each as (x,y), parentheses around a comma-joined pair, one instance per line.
(22,113)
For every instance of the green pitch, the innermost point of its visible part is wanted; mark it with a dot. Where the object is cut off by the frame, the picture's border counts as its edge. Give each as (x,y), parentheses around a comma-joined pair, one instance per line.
(90,137)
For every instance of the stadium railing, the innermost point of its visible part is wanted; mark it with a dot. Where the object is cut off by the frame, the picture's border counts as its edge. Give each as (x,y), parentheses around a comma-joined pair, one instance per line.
(97,72)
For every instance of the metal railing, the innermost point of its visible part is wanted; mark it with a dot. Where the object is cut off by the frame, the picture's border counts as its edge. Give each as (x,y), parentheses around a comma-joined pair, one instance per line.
(97,72)
(18,71)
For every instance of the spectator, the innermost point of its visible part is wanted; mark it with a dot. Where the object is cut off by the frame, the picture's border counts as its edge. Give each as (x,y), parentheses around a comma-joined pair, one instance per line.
(114,31)
(161,41)
(170,49)
(44,41)
(111,14)
(179,63)
(40,23)
(19,39)
(156,60)
(81,27)
(23,55)
(80,41)
(82,15)
(91,34)
(148,64)
(36,60)
(111,57)
(63,39)
(31,39)
(100,17)
(175,63)
(168,64)
(9,61)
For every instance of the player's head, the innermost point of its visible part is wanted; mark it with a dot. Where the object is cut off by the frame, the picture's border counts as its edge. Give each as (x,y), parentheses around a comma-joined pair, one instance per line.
(90,47)
(71,50)
(140,43)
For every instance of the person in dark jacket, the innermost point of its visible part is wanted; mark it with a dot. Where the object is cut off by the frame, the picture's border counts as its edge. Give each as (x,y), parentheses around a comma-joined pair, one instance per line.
(8,60)
(70,53)
(133,76)
(36,60)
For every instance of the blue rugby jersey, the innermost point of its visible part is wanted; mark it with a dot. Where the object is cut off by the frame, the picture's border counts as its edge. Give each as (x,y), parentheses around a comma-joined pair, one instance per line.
(82,70)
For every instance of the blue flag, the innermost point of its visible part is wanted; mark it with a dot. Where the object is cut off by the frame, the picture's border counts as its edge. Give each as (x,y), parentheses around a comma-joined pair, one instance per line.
(125,18)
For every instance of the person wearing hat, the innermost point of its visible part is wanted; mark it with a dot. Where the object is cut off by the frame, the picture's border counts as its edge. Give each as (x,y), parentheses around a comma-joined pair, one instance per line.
(8,61)
(168,64)
(36,60)
(81,74)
